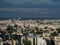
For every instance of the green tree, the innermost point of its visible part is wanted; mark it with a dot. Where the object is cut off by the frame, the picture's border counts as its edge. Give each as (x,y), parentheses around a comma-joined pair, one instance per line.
(16,26)
(26,42)
(58,30)
(54,34)
(10,29)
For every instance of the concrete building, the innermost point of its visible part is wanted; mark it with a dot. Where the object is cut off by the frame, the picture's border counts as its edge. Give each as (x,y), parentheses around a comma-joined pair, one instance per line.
(57,40)
(1,41)
(41,41)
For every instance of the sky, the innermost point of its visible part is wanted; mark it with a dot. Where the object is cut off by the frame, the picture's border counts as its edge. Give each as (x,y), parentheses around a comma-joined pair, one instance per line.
(28,3)
(16,2)
(30,8)
(25,1)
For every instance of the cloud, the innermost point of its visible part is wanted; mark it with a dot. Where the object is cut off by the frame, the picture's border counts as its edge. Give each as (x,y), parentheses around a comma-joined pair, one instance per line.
(55,1)
(32,10)
(32,3)
(25,1)
(29,12)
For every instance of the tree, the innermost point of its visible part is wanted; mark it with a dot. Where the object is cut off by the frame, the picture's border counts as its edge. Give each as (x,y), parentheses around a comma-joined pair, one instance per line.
(54,34)
(10,29)
(16,26)
(58,30)
(45,31)
(26,42)
(37,29)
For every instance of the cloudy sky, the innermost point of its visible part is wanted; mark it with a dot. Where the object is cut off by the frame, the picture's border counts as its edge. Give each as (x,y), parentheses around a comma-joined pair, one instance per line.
(31,1)
(30,4)
(30,8)
(25,1)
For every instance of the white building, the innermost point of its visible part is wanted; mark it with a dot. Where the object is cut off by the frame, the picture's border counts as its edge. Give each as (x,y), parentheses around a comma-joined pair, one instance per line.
(41,41)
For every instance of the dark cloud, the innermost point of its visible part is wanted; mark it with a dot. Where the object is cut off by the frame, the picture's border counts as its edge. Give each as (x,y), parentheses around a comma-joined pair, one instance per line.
(33,10)
(25,1)
(56,1)
(49,8)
